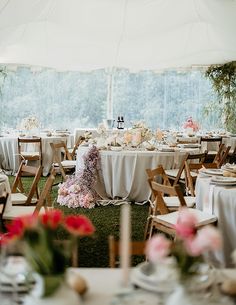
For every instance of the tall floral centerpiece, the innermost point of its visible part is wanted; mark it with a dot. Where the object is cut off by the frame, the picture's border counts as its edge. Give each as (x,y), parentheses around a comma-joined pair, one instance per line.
(188,256)
(190,125)
(30,124)
(79,189)
(47,257)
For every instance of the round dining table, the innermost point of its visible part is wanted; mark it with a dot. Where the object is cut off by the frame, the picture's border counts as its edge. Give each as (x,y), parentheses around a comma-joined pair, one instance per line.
(122,174)
(219,200)
(10,156)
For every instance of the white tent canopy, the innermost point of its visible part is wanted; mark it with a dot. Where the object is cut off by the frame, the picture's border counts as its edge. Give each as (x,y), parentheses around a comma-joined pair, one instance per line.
(134,34)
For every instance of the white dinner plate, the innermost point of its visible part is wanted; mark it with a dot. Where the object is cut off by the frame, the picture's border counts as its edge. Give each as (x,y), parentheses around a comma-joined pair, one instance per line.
(223,180)
(166,149)
(212,171)
(189,145)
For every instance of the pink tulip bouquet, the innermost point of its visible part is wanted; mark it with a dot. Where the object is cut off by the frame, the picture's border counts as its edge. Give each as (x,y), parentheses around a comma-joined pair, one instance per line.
(38,237)
(189,247)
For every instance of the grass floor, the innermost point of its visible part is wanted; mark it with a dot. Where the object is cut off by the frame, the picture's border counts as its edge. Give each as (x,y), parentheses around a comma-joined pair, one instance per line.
(93,251)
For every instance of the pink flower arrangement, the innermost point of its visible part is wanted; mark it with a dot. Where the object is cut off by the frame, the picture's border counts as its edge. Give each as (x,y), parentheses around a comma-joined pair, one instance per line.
(191,124)
(78,190)
(190,244)
(39,235)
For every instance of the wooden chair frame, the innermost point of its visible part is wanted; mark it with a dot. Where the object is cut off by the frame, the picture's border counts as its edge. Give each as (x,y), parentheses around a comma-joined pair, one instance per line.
(159,190)
(221,155)
(38,143)
(42,202)
(188,157)
(79,141)
(18,185)
(57,149)
(136,248)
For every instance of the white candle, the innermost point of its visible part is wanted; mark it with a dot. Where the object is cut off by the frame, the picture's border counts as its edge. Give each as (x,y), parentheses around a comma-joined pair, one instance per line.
(125,243)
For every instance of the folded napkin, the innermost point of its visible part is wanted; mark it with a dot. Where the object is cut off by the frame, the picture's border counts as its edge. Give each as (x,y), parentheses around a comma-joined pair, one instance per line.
(228,174)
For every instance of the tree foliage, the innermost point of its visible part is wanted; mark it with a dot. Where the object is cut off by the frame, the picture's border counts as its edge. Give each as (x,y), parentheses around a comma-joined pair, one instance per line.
(223,79)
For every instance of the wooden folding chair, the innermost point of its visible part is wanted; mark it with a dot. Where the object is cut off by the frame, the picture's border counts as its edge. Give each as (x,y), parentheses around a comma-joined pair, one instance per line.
(35,149)
(136,248)
(18,211)
(79,141)
(62,166)
(18,196)
(177,175)
(166,221)
(172,202)
(212,145)
(222,155)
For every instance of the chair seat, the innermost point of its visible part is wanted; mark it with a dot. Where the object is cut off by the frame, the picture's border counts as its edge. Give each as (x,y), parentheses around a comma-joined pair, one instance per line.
(20,198)
(170,219)
(30,153)
(18,211)
(212,152)
(173,201)
(67,163)
(174,172)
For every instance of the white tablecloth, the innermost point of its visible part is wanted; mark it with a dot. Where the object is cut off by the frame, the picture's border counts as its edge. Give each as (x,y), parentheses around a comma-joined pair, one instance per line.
(9,151)
(123,173)
(220,201)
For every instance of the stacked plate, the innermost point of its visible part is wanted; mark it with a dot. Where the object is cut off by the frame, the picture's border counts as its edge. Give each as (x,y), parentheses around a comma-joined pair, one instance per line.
(190,145)
(212,171)
(229,168)
(166,149)
(218,180)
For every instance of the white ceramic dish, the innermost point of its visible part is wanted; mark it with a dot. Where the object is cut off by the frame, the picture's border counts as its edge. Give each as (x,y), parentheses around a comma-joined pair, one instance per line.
(212,171)
(223,180)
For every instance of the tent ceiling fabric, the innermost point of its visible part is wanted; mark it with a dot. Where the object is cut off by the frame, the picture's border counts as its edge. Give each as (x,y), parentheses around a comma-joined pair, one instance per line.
(134,34)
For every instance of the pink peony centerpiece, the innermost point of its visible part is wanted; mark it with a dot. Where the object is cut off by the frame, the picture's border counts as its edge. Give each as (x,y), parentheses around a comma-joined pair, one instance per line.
(190,244)
(191,124)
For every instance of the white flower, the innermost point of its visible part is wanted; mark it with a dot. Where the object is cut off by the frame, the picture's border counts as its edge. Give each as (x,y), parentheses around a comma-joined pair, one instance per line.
(101,128)
(29,123)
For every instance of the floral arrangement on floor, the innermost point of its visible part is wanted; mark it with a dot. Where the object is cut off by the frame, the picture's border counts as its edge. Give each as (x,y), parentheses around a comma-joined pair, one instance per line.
(38,234)
(78,190)
(140,133)
(189,247)
(29,123)
(191,124)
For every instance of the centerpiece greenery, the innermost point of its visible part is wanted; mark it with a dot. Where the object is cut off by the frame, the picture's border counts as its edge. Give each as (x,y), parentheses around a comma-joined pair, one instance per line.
(223,79)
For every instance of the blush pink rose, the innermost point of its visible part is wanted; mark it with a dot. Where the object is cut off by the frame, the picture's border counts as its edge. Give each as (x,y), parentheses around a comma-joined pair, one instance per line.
(186,224)
(158,247)
(207,239)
